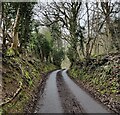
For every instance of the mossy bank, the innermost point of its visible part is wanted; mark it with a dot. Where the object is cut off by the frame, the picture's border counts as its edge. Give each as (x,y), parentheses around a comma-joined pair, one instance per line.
(21,77)
(101,78)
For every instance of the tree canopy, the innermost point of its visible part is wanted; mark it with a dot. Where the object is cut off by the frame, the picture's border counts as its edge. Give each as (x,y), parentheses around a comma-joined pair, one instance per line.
(89,28)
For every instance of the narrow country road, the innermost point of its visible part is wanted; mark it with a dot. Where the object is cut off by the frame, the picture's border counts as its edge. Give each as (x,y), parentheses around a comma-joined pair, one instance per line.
(50,101)
(62,95)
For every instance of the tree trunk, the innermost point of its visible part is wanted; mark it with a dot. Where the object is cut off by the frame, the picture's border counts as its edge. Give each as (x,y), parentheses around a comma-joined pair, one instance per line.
(89,39)
(108,36)
(3,30)
(15,33)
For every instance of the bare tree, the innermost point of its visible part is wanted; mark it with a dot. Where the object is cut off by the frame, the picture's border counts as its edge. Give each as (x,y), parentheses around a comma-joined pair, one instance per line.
(67,15)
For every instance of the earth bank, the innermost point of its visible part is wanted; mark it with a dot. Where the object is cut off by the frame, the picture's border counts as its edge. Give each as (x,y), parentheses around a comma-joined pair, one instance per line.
(100,77)
(22,78)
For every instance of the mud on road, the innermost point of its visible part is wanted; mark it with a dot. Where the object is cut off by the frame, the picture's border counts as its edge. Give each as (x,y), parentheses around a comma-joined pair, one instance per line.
(61,95)
(68,100)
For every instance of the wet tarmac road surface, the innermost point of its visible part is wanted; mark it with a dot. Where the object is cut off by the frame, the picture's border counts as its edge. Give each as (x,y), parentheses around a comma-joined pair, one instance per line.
(59,94)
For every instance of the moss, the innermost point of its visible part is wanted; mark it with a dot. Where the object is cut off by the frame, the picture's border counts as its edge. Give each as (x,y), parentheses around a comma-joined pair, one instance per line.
(10,52)
(31,69)
(103,78)
(1,111)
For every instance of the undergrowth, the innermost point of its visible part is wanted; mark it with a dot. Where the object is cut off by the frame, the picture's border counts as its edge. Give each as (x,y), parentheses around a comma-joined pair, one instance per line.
(25,69)
(104,78)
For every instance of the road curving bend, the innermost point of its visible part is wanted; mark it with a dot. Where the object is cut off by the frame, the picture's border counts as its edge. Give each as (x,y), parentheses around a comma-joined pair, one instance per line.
(62,95)
(89,104)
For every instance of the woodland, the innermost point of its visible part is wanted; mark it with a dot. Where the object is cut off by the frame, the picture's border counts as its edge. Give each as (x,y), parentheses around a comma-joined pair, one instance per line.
(36,37)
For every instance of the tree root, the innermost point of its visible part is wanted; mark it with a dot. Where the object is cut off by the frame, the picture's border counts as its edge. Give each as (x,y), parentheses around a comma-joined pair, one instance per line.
(15,94)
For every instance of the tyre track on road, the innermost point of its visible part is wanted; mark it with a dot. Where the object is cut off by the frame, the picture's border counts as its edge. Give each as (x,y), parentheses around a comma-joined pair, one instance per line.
(89,104)
(68,100)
